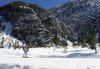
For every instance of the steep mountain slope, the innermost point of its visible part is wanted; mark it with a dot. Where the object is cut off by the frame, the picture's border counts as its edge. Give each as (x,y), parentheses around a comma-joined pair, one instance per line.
(35,25)
(79,14)
(6,38)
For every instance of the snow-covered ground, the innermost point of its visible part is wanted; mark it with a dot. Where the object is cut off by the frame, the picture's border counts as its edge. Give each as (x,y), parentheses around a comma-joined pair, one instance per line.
(48,58)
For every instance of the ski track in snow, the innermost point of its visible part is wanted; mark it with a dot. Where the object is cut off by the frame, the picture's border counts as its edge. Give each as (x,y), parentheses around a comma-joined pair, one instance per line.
(48,58)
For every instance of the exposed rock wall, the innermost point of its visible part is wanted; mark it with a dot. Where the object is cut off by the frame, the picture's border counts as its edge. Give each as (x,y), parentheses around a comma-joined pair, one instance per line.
(35,24)
(79,14)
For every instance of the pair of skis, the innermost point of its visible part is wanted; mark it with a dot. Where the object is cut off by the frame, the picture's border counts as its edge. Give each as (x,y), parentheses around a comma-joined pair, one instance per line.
(25,55)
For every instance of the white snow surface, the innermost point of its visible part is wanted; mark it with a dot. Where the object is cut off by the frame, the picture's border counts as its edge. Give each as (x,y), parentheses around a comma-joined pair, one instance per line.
(48,58)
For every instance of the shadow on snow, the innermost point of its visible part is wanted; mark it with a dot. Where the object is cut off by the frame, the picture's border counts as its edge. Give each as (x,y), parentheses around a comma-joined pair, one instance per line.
(73,55)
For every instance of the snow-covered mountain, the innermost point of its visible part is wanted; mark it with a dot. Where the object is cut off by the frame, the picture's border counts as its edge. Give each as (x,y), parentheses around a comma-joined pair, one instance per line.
(34,24)
(79,14)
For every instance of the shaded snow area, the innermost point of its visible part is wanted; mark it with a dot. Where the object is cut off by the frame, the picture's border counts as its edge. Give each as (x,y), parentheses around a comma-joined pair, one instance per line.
(50,58)
(6,34)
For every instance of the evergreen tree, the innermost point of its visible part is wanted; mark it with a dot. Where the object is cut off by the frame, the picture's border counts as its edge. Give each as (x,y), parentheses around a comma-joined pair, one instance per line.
(65,44)
(99,38)
(82,40)
(56,39)
(91,38)
(18,44)
(9,45)
(2,42)
(15,46)
(30,45)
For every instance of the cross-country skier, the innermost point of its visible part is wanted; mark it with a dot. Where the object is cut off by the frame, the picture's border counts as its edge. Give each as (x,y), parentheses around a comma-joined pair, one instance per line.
(25,49)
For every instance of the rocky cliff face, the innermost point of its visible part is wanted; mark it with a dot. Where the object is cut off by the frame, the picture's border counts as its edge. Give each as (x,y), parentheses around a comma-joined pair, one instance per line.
(79,14)
(35,24)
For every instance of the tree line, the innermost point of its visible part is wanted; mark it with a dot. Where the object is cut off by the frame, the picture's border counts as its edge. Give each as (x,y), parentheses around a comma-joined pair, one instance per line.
(90,38)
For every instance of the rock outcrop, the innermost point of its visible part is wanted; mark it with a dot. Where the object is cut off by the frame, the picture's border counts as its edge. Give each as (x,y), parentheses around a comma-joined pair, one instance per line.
(79,14)
(34,24)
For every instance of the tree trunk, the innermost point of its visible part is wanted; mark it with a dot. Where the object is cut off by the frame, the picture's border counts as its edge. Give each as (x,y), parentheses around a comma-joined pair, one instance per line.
(96,50)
